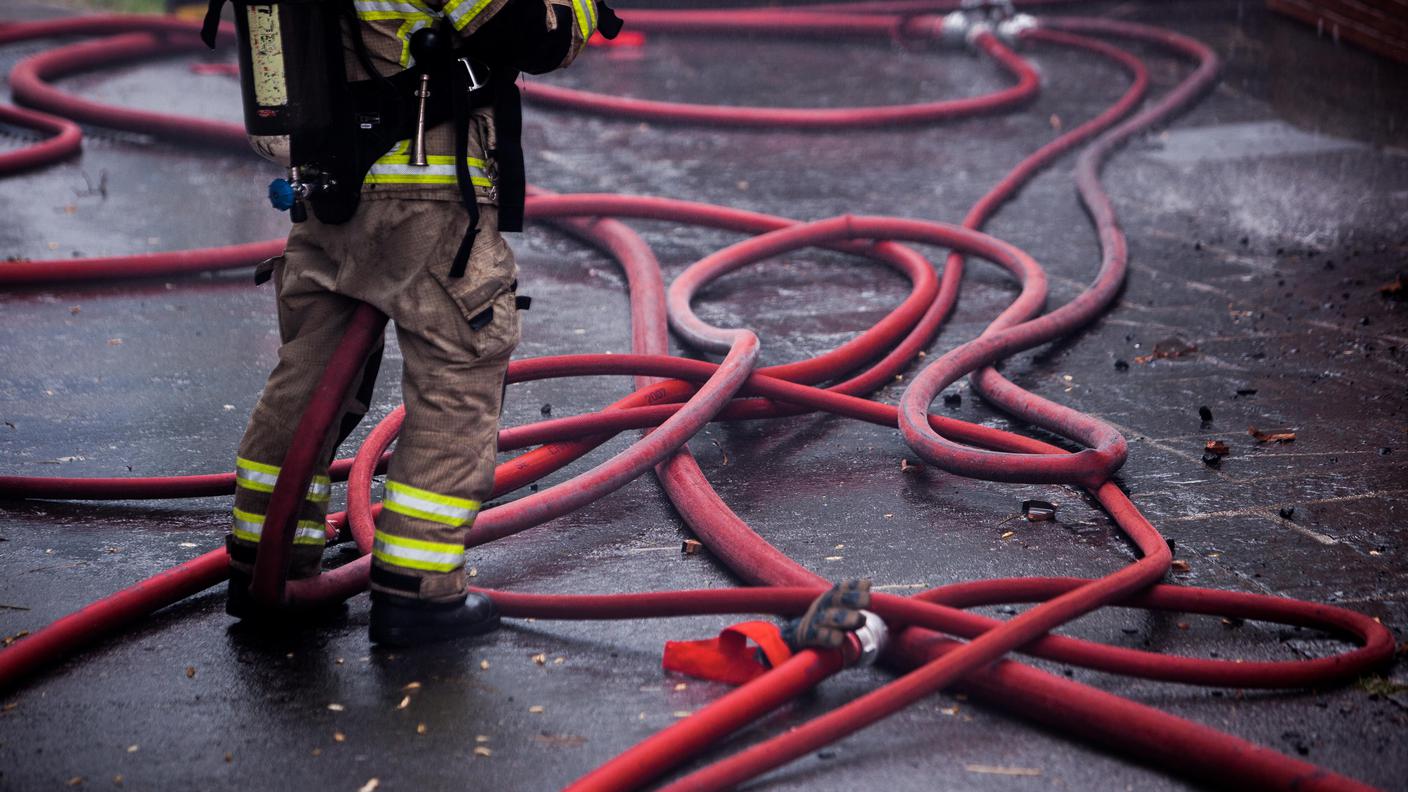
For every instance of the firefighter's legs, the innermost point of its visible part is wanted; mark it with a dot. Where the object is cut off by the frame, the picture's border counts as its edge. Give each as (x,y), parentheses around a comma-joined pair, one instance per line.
(456,355)
(312,321)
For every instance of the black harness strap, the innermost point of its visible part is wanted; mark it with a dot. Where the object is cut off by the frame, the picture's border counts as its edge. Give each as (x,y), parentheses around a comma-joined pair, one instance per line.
(211,26)
(462,176)
(508,128)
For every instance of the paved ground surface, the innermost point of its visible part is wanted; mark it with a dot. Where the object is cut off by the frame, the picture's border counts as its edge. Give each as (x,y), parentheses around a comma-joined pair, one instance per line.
(1262,224)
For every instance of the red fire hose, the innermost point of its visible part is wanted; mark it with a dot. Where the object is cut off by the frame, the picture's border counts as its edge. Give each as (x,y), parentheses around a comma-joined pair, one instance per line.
(676,397)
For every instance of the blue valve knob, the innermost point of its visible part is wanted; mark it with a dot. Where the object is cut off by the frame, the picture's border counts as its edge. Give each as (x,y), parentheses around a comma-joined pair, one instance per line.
(281,194)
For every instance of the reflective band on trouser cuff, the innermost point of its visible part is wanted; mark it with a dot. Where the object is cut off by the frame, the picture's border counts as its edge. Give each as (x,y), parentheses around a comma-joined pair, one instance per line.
(462,12)
(427,505)
(260,477)
(255,475)
(586,16)
(249,527)
(417,554)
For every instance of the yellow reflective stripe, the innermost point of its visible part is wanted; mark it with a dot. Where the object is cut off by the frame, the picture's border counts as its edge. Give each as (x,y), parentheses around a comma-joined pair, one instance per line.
(591,12)
(260,477)
(417,553)
(258,467)
(426,505)
(320,491)
(374,10)
(395,167)
(583,21)
(256,476)
(250,526)
(462,12)
(426,178)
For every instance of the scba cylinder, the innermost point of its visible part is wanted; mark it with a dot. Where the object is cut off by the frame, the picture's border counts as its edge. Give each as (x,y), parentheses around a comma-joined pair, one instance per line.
(290,54)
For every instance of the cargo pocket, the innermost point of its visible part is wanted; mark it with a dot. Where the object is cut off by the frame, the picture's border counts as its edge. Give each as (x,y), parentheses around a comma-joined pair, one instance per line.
(489,272)
(495,330)
(482,295)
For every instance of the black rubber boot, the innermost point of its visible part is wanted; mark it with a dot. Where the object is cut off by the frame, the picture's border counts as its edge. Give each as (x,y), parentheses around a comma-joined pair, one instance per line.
(240,604)
(402,621)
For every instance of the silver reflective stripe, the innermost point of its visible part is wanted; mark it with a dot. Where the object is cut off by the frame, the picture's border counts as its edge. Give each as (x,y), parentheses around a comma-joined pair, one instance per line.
(417,553)
(249,527)
(426,505)
(320,490)
(380,7)
(383,172)
(256,479)
(462,12)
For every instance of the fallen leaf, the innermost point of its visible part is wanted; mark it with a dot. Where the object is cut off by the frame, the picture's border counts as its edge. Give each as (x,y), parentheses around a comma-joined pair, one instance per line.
(405,702)
(370,786)
(421,728)
(1396,289)
(481,738)
(1180,566)
(480,750)
(536,709)
(691,546)
(681,686)
(540,658)
(1169,349)
(336,707)
(906,466)
(338,736)
(412,686)
(1217,447)
(484,665)
(1272,436)
(114,342)
(681,713)
(1008,534)
(190,672)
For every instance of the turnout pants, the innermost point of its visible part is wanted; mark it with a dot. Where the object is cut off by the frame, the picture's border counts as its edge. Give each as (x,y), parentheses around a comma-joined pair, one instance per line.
(455,337)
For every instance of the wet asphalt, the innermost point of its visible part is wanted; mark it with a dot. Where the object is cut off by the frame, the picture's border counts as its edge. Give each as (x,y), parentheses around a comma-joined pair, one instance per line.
(1262,225)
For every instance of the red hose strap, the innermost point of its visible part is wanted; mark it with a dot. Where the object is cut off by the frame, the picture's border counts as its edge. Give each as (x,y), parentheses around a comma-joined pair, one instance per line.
(728,658)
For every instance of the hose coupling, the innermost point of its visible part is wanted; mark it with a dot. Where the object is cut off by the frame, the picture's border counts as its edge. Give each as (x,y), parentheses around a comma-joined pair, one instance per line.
(871,639)
(961,28)
(1011,30)
(976,17)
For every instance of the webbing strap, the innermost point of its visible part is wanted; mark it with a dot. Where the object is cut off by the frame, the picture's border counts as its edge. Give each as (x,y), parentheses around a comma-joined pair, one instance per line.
(728,658)
(508,126)
(462,177)
(211,26)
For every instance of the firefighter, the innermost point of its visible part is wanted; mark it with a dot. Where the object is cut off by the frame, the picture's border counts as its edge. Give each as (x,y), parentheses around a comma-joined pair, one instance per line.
(421,242)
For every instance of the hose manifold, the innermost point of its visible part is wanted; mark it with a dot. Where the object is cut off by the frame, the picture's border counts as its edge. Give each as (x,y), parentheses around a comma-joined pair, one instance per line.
(976,17)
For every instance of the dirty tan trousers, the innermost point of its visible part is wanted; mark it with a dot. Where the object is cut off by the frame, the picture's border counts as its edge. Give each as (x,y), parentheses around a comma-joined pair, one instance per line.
(455,335)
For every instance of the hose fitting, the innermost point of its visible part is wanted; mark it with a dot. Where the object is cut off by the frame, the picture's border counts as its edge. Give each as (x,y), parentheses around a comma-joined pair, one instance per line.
(1011,30)
(871,639)
(975,17)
